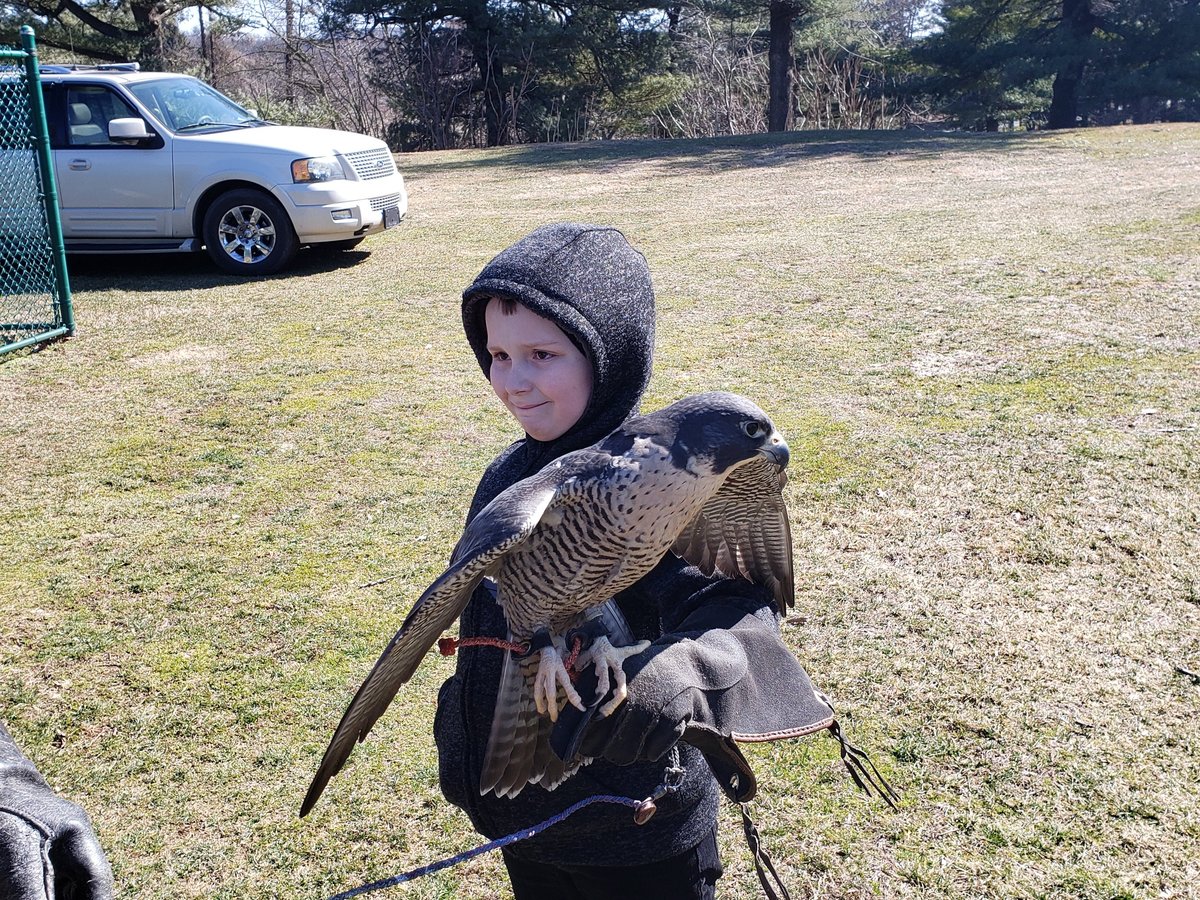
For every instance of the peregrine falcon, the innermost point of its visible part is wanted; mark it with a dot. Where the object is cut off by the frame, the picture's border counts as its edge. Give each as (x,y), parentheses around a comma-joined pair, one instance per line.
(702,477)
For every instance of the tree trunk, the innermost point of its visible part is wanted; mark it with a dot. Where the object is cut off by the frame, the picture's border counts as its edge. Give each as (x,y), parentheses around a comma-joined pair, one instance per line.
(491,73)
(205,59)
(289,52)
(1064,100)
(148,16)
(675,36)
(1076,28)
(779,58)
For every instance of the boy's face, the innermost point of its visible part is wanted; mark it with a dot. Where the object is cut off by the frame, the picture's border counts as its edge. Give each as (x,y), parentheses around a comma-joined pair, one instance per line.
(538,374)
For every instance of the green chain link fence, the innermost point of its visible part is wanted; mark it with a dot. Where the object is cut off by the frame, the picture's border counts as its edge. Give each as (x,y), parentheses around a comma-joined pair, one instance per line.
(35,296)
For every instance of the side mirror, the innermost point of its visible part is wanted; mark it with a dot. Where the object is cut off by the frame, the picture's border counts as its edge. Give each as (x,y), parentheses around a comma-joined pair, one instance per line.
(253,112)
(128,130)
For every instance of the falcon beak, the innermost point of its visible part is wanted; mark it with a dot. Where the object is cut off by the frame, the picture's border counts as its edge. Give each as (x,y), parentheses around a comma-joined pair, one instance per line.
(776,449)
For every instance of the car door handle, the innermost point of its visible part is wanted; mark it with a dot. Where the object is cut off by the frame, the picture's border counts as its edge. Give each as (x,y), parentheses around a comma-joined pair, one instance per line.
(80,165)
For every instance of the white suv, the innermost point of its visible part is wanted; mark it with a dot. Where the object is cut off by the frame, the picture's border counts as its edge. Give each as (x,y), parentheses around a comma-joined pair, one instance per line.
(156,162)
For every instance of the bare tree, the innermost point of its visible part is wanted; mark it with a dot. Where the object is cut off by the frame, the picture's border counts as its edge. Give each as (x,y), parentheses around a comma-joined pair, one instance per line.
(290,72)
(837,87)
(428,74)
(898,23)
(723,79)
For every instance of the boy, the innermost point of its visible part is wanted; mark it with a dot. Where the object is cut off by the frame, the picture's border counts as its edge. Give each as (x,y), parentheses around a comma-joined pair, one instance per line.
(562,324)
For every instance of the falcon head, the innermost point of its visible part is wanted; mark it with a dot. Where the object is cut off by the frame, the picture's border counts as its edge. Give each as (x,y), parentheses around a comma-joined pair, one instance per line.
(716,432)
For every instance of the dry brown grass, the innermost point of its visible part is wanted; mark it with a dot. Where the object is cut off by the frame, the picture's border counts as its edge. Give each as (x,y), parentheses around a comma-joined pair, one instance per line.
(985,352)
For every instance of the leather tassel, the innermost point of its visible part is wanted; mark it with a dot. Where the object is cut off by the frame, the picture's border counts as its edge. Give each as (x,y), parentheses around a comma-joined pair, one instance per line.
(762,860)
(862,770)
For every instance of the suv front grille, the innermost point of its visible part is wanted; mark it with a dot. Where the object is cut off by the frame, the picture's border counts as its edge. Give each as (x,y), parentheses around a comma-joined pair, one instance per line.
(380,203)
(370,164)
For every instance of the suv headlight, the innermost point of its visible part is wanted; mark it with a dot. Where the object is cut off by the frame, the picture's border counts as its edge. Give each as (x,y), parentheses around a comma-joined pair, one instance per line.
(319,168)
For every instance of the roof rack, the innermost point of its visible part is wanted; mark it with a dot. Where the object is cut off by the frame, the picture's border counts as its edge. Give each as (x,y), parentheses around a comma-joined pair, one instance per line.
(55,69)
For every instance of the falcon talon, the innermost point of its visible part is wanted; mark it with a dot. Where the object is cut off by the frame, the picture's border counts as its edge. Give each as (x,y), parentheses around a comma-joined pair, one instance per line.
(551,675)
(609,662)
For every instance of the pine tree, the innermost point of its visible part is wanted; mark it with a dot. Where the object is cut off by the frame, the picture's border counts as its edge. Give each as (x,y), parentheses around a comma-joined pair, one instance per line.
(144,31)
(1059,62)
(535,64)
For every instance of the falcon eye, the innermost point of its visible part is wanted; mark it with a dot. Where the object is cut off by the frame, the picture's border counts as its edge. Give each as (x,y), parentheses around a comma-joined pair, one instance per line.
(753,429)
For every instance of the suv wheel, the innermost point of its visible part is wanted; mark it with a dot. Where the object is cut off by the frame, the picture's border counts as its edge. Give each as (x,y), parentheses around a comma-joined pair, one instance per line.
(246,232)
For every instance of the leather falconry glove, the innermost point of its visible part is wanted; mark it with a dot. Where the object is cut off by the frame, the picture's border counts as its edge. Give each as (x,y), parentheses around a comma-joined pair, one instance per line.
(697,685)
(48,850)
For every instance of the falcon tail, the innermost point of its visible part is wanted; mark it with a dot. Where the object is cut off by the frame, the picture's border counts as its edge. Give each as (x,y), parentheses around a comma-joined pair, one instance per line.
(518,749)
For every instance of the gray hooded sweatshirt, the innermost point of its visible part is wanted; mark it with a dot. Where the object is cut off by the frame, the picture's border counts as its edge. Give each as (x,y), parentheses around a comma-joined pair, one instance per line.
(590,282)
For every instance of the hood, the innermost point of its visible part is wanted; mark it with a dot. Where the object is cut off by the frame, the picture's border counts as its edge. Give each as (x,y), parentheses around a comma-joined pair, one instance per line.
(592,284)
(296,141)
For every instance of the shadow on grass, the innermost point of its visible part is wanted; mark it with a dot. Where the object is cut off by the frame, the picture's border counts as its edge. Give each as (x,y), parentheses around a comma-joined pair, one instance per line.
(189,271)
(25,352)
(741,151)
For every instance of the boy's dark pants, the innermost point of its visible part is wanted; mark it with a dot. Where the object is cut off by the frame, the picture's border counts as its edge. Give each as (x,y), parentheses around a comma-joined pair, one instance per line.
(689,876)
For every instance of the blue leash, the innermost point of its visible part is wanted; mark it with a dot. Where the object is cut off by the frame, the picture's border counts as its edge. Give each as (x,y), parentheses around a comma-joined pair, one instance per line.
(488,847)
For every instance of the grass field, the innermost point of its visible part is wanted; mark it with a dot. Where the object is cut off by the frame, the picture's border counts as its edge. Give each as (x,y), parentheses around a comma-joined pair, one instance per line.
(220,499)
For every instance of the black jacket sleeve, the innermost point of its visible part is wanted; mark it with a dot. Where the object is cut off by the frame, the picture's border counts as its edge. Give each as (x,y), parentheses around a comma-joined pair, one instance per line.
(719,674)
(39,827)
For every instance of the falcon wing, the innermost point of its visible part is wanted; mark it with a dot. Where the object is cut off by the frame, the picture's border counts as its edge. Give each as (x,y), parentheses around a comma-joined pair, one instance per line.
(743,530)
(503,524)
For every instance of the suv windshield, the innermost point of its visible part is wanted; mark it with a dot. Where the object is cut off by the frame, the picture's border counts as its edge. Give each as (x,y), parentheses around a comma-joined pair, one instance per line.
(187,104)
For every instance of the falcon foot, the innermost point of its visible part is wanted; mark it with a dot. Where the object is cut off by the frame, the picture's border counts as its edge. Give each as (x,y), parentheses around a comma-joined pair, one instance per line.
(551,675)
(607,658)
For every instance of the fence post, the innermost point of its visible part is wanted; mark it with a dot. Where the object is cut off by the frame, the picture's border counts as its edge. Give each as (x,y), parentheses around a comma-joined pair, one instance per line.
(50,188)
